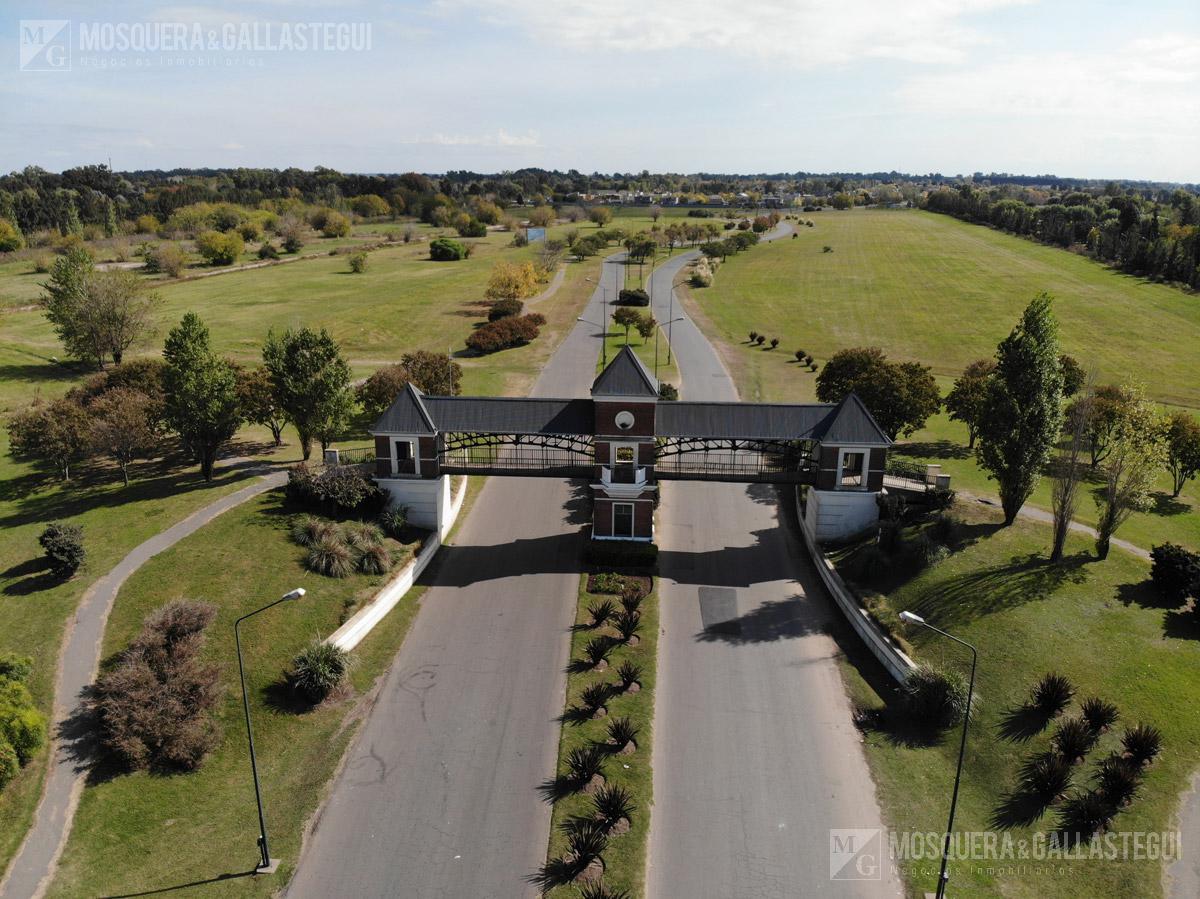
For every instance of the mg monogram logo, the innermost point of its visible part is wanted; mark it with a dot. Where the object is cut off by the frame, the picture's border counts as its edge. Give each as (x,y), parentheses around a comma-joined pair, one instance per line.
(45,45)
(856,853)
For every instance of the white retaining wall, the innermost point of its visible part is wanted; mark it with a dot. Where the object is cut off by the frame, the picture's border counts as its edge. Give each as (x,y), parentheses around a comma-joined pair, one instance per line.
(427,500)
(350,634)
(836,514)
(898,664)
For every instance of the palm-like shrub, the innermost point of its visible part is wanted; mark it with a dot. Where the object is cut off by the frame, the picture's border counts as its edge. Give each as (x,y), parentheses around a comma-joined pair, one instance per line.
(361,535)
(1052,694)
(612,804)
(627,624)
(1073,739)
(587,840)
(308,529)
(936,698)
(1142,743)
(1099,714)
(318,669)
(621,732)
(594,695)
(1085,815)
(631,598)
(376,559)
(1047,776)
(598,890)
(585,762)
(596,652)
(331,557)
(601,611)
(1118,780)
(629,672)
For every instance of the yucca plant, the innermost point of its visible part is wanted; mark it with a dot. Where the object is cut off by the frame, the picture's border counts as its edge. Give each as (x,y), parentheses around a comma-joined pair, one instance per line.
(1099,714)
(331,557)
(594,695)
(612,804)
(361,535)
(1118,780)
(376,559)
(585,762)
(1047,776)
(596,652)
(1085,815)
(1142,743)
(631,598)
(318,669)
(308,529)
(601,611)
(1052,694)
(621,732)
(598,890)
(1073,739)
(628,672)
(587,840)
(627,624)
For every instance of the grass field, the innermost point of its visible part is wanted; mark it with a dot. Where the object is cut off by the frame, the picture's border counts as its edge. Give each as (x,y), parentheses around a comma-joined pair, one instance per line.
(625,858)
(1099,624)
(929,288)
(138,832)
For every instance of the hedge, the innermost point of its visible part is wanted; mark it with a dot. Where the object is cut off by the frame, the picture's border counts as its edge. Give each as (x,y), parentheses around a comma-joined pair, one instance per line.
(509,331)
(622,554)
(443,249)
(633,297)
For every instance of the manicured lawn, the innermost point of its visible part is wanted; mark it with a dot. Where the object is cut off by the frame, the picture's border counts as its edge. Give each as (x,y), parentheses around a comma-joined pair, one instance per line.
(137,832)
(1099,624)
(930,288)
(625,858)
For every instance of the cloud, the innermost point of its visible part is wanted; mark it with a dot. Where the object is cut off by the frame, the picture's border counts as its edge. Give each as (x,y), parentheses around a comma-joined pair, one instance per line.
(501,138)
(802,33)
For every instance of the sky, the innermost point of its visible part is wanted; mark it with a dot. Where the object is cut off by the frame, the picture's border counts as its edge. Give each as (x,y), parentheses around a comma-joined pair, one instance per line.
(1083,89)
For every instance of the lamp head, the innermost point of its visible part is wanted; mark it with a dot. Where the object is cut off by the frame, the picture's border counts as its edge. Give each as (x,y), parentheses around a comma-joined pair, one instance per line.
(295,594)
(911,618)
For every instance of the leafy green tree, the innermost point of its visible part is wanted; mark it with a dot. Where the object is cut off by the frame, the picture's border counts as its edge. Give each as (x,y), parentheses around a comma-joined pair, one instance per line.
(380,390)
(370,205)
(1073,375)
(53,434)
(1137,451)
(542,216)
(601,215)
(1108,407)
(65,303)
(1022,412)
(434,373)
(123,428)
(900,396)
(256,394)
(220,248)
(646,326)
(201,392)
(965,400)
(312,384)
(10,237)
(626,318)
(1183,449)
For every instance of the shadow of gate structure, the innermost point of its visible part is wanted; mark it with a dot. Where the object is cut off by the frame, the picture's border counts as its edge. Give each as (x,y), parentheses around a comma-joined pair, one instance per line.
(624,440)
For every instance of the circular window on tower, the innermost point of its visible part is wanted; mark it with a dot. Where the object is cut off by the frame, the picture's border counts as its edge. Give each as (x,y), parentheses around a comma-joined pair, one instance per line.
(624,420)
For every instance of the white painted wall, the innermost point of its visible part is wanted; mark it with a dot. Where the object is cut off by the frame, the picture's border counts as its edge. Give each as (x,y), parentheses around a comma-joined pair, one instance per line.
(834,514)
(428,500)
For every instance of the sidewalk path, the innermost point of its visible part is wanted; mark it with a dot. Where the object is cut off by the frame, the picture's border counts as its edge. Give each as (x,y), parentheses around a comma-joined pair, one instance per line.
(29,874)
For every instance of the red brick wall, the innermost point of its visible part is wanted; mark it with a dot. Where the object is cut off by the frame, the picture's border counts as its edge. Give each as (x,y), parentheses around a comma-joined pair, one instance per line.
(643,418)
(602,518)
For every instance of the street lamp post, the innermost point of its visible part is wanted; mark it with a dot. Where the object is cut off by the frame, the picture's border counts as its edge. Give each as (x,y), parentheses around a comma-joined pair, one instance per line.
(603,338)
(913,618)
(657,331)
(266,864)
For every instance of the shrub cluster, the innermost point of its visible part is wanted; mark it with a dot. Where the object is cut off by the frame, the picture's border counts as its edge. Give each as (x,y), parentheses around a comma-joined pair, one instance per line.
(220,248)
(340,491)
(155,707)
(505,332)
(936,698)
(358,263)
(63,546)
(339,551)
(504,308)
(22,726)
(1175,572)
(443,249)
(633,297)
(622,554)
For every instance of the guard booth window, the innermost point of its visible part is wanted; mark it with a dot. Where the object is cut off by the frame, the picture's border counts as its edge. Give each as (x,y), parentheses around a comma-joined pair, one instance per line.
(852,470)
(622,519)
(405,464)
(623,470)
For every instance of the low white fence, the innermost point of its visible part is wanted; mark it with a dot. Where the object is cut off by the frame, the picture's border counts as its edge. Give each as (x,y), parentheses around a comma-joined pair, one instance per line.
(350,634)
(898,664)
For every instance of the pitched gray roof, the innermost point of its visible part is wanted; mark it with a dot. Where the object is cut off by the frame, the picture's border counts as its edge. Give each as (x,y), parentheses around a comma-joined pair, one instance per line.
(495,415)
(625,376)
(406,415)
(848,422)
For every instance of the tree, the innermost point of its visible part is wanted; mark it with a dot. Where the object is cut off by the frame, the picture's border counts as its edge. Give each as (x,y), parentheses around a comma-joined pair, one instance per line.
(201,392)
(1183,449)
(53,434)
(10,237)
(220,248)
(97,315)
(1022,411)
(123,309)
(434,373)
(123,427)
(167,257)
(378,392)
(646,326)
(1068,471)
(510,280)
(655,213)
(370,205)
(312,383)
(900,396)
(256,396)
(965,400)
(1136,452)
(1073,375)
(626,318)
(601,215)
(1108,407)
(542,216)
(842,201)
(443,249)
(335,225)
(65,303)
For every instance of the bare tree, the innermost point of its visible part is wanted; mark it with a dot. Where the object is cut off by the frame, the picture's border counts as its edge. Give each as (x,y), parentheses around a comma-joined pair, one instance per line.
(1069,470)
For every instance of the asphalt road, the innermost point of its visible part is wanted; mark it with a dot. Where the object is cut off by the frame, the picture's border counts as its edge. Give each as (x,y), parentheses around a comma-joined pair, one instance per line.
(755,754)
(439,797)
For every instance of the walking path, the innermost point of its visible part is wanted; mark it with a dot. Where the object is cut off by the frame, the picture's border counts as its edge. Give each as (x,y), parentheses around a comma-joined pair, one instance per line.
(29,874)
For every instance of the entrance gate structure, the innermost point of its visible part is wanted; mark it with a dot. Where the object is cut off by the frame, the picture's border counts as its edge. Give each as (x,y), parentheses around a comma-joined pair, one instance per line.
(625,440)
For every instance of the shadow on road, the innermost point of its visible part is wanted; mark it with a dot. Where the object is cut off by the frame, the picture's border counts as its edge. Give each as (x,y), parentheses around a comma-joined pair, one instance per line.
(183,886)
